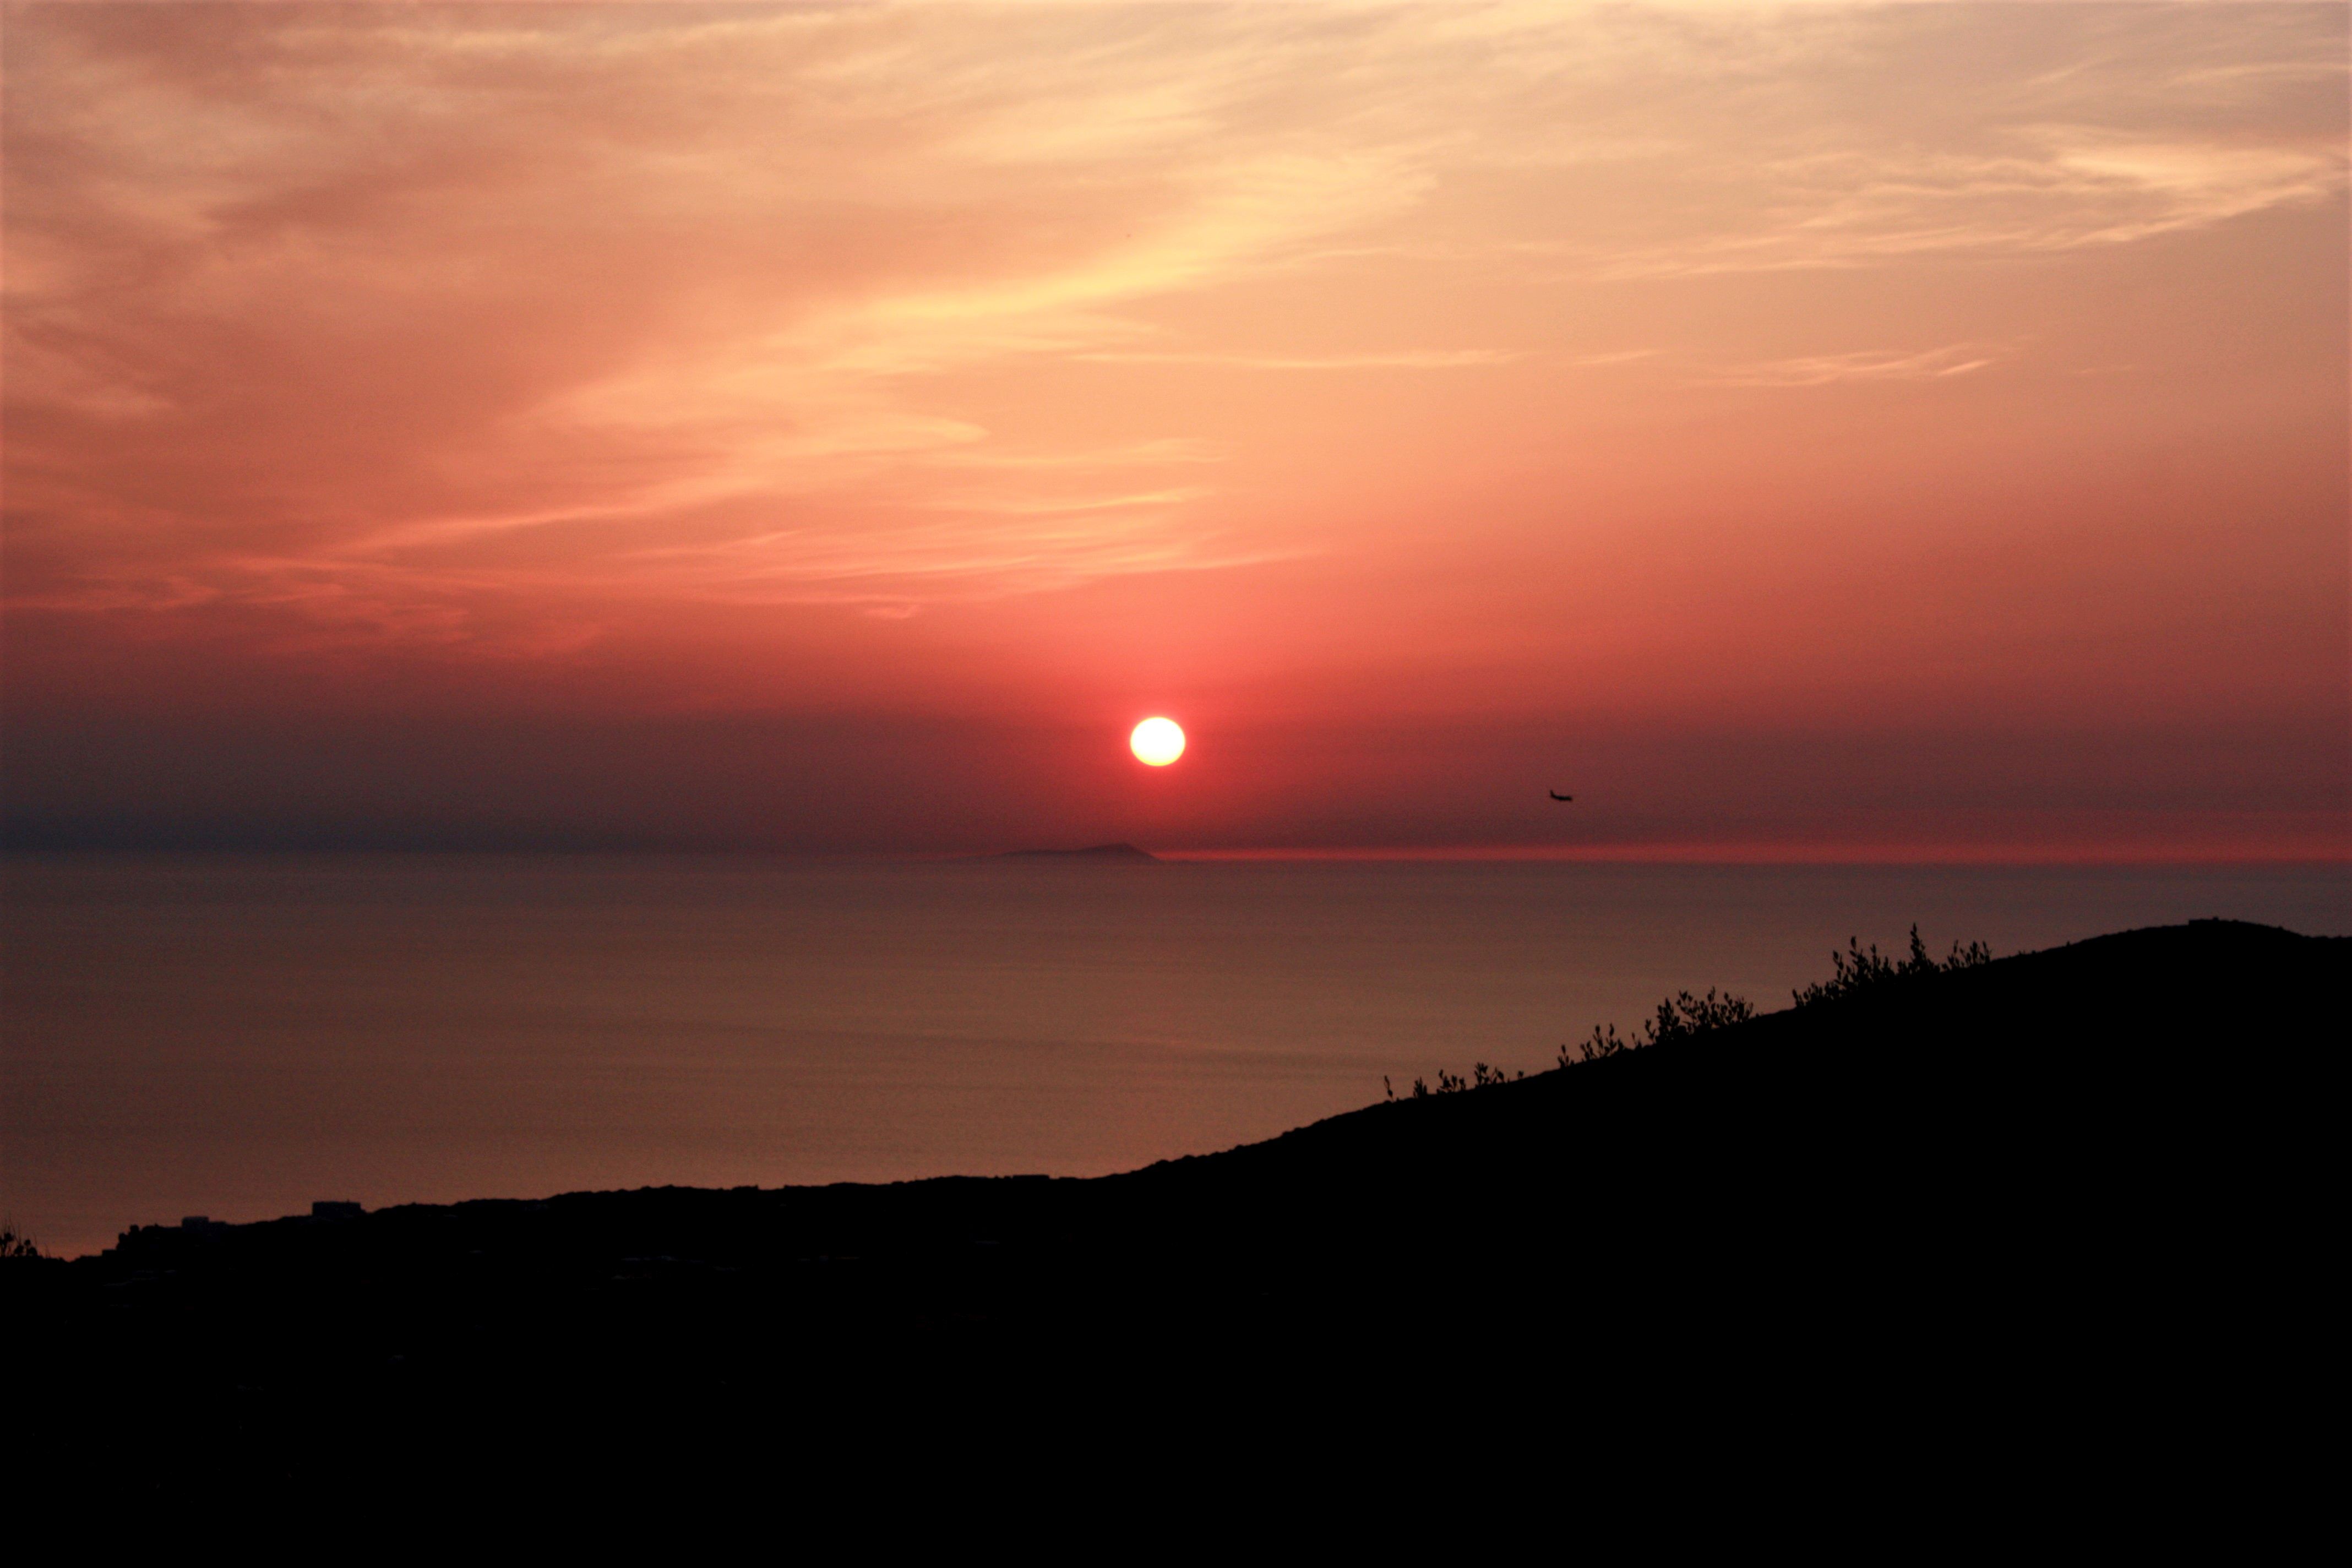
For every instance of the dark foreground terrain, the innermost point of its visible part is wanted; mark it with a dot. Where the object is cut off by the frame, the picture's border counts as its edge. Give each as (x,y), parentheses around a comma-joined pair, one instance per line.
(2069,1200)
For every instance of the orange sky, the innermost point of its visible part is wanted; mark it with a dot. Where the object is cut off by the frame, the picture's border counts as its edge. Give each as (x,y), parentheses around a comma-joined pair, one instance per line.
(1857,431)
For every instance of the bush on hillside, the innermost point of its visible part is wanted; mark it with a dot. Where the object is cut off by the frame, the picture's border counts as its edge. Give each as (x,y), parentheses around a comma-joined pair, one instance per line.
(1861,969)
(1680,1016)
(1481,1077)
(1683,1017)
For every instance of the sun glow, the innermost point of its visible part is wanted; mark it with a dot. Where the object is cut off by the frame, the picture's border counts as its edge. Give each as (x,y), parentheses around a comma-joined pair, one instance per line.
(1158,742)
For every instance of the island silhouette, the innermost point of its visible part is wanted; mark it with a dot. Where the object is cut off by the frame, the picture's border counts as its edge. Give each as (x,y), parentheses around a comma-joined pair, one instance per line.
(1929,1185)
(1092,852)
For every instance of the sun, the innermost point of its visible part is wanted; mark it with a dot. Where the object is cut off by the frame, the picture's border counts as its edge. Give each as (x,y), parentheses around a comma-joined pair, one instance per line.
(1158,742)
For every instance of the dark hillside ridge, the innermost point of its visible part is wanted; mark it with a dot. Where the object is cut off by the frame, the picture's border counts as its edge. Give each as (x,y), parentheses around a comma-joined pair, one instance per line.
(1953,1173)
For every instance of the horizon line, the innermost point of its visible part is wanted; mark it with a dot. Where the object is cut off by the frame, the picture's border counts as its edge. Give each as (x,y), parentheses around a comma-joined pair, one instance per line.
(2333,852)
(2336,853)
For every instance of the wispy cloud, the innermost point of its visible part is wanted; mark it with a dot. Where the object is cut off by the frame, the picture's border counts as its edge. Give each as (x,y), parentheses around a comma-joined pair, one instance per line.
(1822,370)
(321,308)
(2066,188)
(1428,359)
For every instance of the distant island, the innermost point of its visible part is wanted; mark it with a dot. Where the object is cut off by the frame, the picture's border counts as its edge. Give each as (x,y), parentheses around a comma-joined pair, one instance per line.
(1094,852)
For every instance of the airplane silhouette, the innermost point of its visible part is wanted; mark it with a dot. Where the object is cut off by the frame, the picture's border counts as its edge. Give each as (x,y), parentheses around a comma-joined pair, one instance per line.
(1557,795)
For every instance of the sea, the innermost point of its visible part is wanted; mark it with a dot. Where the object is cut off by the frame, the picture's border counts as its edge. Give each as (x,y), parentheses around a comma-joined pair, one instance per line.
(239,1036)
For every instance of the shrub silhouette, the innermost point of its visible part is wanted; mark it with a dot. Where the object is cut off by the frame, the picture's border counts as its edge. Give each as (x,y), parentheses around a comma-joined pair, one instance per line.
(15,1245)
(1481,1077)
(1602,1043)
(1680,1016)
(1683,1017)
(1687,1016)
(1861,969)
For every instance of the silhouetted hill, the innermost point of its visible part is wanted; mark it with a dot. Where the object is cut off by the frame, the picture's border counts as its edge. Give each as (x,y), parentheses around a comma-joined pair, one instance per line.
(1951,1186)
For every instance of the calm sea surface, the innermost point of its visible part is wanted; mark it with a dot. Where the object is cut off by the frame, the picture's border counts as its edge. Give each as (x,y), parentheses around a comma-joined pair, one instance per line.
(237,1036)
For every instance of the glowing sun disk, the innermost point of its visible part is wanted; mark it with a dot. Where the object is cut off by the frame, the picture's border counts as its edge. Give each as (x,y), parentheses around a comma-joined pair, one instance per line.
(1158,742)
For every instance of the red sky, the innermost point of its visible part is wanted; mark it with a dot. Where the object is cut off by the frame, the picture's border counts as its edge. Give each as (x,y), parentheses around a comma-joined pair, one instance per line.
(1909,431)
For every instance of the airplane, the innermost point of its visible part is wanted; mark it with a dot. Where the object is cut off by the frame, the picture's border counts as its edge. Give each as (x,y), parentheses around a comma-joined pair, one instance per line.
(1557,795)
